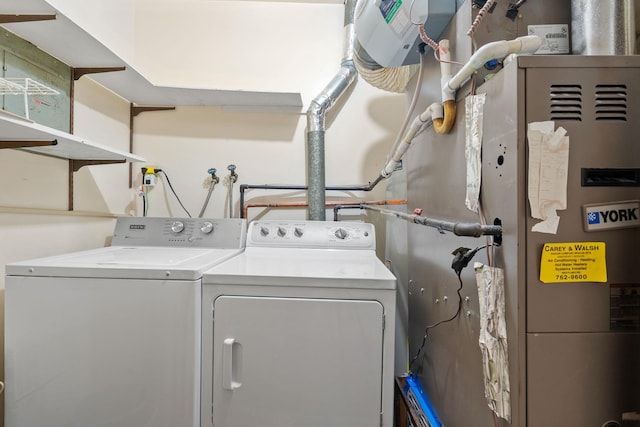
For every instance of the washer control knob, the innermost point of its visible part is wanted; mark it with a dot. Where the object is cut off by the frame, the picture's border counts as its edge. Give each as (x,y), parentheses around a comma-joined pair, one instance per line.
(177,226)
(282,231)
(206,227)
(298,232)
(264,231)
(341,233)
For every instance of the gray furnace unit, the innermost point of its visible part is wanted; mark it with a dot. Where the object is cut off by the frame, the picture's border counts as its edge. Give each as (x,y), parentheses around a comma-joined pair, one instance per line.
(572,298)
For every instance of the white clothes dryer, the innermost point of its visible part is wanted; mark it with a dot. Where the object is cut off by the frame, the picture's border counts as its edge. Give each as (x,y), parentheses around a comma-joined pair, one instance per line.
(298,330)
(111,337)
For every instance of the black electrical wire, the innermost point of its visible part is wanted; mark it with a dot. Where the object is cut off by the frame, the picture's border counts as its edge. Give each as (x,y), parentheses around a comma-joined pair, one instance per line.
(462,258)
(144,194)
(450,319)
(173,191)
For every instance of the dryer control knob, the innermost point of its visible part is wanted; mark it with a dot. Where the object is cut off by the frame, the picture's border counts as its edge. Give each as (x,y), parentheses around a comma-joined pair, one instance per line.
(298,232)
(177,226)
(282,231)
(264,231)
(206,227)
(341,233)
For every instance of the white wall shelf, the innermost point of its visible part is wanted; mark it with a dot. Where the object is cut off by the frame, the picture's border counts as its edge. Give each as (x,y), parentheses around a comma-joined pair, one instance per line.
(38,22)
(16,132)
(71,44)
(21,133)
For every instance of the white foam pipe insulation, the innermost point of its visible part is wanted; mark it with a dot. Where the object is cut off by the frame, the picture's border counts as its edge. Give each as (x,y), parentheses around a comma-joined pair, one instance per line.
(434,111)
(316,118)
(442,115)
(494,50)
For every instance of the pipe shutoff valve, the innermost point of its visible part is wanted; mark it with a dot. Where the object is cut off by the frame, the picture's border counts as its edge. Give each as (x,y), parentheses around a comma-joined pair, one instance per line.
(233,176)
(212,172)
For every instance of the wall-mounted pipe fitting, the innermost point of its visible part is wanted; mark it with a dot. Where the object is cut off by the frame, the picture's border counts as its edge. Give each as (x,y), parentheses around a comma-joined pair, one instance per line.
(233,177)
(214,177)
(214,181)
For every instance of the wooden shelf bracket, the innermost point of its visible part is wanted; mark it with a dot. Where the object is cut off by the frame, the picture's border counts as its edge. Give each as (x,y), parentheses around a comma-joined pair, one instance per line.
(10,19)
(79,72)
(27,144)
(75,165)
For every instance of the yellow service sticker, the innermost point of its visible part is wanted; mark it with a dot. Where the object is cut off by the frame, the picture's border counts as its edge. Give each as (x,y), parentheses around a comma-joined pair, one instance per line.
(573,262)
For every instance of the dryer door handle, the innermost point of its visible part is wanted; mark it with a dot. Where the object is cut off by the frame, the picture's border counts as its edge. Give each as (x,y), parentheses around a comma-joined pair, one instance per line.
(231,364)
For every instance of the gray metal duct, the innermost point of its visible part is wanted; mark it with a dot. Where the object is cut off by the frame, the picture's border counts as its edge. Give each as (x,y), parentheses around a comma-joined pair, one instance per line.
(316,118)
(603,27)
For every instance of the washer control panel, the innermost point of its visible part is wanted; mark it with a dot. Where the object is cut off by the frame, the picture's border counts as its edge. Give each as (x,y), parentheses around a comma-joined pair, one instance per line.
(180,232)
(312,234)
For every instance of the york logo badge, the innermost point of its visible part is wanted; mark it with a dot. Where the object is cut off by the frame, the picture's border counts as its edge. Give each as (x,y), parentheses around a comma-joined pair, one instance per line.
(616,215)
(611,216)
(594,218)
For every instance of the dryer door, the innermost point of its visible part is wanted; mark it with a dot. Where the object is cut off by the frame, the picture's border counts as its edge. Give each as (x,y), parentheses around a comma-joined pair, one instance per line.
(297,362)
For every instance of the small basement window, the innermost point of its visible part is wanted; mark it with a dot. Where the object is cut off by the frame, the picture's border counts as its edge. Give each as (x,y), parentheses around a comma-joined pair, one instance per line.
(46,98)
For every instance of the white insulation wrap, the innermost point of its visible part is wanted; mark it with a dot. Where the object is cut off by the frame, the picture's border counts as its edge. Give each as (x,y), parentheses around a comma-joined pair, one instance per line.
(474,114)
(493,339)
(391,79)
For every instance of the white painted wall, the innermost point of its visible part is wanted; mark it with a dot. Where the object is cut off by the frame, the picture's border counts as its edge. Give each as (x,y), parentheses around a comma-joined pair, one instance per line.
(103,118)
(267,149)
(239,45)
(109,21)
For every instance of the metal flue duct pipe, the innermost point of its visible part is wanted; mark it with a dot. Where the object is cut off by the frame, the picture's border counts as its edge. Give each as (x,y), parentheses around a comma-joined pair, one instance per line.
(316,118)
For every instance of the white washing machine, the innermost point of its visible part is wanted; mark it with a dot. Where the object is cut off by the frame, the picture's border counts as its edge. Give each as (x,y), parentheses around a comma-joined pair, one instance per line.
(298,330)
(111,337)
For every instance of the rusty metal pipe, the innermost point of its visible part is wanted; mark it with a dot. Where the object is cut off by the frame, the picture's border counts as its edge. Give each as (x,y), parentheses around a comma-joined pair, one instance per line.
(457,228)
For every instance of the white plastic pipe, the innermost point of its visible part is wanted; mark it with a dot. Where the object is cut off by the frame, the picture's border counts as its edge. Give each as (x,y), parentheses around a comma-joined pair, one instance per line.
(494,50)
(445,69)
(450,85)
(434,111)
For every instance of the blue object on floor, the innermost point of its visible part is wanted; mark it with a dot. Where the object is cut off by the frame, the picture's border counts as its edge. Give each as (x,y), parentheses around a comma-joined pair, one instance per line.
(417,396)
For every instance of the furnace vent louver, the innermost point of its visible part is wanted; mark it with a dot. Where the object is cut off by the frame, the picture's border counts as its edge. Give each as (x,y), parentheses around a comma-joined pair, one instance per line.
(566,102)
(611,102)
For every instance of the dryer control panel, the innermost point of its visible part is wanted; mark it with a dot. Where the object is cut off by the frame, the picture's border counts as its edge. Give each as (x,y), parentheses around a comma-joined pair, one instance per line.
(312,234)
(180,232)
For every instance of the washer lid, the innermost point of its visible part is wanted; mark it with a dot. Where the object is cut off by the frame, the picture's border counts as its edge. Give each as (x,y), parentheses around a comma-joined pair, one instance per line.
(126,262)
(303,267)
